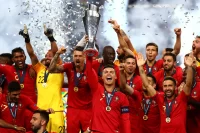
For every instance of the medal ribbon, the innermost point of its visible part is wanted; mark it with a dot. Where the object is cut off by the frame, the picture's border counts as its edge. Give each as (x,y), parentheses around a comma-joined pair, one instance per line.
(149,69)
(46,74)
(13,113)
(169,107)
(2,79)
(21,78)
(131,80)
(108,99)
(146,105)
(174,71)
(78,78)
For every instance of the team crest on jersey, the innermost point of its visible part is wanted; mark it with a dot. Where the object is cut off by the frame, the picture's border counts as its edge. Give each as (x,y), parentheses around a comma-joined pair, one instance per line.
(154,102)
(84,77)
(133,86)
(116,98)
(175,104)
(195,94)
(3,65)
(155,68)
(20,105)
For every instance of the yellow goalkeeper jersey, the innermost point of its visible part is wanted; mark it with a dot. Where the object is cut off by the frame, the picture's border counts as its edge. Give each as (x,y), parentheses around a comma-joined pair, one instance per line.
(49,87)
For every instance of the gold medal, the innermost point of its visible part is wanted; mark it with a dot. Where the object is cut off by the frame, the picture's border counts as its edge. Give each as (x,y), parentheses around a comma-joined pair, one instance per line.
(168,119)
(75,89)
(108,108)
(22,86)
(145,117)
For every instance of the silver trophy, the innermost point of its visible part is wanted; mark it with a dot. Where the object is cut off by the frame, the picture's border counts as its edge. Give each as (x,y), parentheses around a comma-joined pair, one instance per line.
(91,23)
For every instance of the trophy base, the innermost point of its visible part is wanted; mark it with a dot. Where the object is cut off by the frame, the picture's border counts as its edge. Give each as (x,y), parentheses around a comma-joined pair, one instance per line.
(91,52)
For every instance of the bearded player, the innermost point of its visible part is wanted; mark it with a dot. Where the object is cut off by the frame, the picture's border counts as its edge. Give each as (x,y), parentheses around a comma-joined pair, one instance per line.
(172,107)
(79,93)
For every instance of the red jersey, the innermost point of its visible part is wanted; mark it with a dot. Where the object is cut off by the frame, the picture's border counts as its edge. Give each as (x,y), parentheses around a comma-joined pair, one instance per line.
(98,67)
(135,82)
(198,74)
(155,68)
(152,124)
(24,103)
(134,103)
(115,120)
(160,75)
(177,115)
(29,82)
(82,99)
(193,115)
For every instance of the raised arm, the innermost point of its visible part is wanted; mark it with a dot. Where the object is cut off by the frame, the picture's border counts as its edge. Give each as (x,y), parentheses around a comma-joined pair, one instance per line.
(177,46)
(121,40)
(49,33)
(29,47)
(83,41)
(54,68)
(127,40)
(146,85)
(189,78)
(92,77)
(124,41)
(123,85)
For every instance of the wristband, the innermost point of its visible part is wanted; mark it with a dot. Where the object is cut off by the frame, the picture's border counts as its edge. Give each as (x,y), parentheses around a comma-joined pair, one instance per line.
(51,39)
(27,40)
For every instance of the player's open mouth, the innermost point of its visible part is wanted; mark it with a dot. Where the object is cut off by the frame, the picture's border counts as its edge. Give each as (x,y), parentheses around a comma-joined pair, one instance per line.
(109,78)
(20,63)
(193,47)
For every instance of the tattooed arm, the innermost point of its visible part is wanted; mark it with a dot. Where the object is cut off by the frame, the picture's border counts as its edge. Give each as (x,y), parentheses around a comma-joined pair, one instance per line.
(54,68)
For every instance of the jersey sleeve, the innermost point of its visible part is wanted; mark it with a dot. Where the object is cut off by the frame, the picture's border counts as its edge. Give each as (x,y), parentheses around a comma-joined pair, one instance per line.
(117,74)
(138,85)
(67,66)
(179,76)
(30,104)
(38,67)
(4,68)
(136,95)
(159,97)
(125,118)
(182,96)
(92,77)
(160,64)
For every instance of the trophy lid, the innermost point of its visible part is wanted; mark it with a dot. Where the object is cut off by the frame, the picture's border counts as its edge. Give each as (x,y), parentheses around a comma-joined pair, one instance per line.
(93,7)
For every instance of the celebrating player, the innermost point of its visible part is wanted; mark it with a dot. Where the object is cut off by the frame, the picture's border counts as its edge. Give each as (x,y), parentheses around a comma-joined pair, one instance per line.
(172,108)
(79,93)
(110,108)
(49,91)
(13,107)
